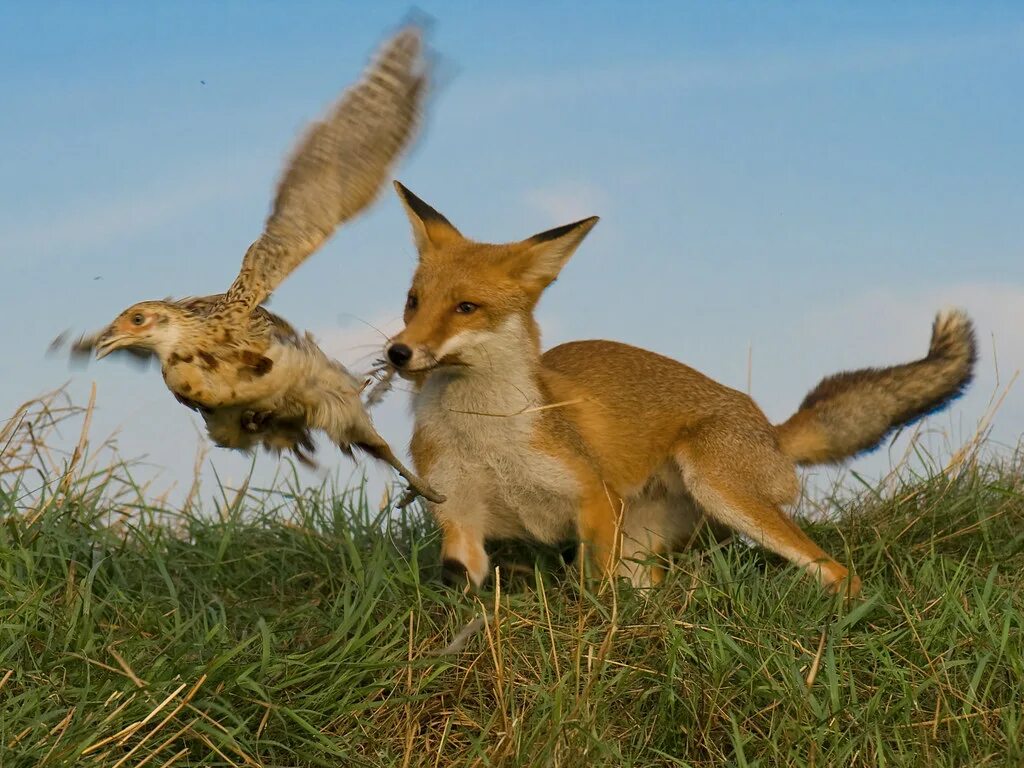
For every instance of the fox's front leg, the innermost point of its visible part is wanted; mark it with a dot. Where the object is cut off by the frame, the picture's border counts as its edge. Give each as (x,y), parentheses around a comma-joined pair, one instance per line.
(462,517)
(464,559)
(600,530)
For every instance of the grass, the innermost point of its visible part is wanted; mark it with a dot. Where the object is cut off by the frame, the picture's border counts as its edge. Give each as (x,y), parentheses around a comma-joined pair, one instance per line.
(305,628)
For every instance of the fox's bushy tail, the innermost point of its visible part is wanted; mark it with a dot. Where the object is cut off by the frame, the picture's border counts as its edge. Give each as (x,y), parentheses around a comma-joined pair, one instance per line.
(853,411)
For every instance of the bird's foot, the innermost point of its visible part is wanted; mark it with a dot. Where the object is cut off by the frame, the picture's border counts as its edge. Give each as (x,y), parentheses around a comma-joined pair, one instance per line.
(407,498)
(416,489)
(254,421)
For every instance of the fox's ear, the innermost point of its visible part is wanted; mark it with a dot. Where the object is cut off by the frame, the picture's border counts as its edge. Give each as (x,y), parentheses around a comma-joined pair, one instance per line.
(545,254)
(429,228)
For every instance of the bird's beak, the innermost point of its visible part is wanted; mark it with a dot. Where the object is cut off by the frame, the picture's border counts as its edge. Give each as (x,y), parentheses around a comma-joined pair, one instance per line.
(108,341)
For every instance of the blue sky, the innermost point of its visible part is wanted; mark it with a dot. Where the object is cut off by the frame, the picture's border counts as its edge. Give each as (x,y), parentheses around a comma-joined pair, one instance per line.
(805,182)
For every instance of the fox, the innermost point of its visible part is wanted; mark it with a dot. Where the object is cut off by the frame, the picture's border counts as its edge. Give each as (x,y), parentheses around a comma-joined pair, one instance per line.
(624,450)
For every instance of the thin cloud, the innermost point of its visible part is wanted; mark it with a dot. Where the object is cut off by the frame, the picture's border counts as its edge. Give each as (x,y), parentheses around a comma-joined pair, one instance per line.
(568,201)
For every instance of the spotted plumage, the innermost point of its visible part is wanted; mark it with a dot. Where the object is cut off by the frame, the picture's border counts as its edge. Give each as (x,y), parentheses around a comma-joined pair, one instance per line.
(253,378)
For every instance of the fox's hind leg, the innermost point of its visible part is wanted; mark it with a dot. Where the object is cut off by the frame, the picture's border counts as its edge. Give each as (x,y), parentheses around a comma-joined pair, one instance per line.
(647,535)
(656,524)
(743,481)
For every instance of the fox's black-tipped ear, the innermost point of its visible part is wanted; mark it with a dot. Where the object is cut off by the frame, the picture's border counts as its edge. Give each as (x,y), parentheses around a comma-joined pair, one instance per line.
(547,252)
(429,228)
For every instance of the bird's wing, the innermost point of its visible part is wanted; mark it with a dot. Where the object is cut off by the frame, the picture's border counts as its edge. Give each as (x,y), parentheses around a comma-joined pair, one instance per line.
(200,305)
(338,168)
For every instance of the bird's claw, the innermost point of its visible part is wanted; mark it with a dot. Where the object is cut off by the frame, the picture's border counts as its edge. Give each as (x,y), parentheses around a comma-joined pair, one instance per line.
(253,421)
(407,498)
(412,493)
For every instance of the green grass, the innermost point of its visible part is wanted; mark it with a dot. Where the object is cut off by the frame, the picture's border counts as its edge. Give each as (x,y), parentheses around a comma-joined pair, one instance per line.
(300,629)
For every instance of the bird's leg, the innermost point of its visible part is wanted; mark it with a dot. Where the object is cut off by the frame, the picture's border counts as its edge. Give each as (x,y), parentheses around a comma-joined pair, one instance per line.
(417,487)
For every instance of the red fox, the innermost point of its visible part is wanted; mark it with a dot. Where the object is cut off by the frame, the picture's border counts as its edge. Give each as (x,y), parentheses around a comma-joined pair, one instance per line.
(629,451)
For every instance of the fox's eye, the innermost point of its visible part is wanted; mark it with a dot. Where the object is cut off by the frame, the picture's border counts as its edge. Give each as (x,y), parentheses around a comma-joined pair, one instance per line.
(138,318)
(412,302)
(466,307)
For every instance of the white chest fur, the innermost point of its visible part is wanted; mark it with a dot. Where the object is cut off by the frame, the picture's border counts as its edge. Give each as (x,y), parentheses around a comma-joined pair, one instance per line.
(481,425)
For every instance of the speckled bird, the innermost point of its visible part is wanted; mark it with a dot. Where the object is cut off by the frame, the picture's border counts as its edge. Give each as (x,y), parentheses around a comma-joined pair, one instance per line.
(249,373)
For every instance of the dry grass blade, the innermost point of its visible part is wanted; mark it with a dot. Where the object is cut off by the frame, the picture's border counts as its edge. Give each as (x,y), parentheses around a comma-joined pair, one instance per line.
(968,453)
(812,673)
(188,697)
(521,411)
(33,423)
(126,733)
(83,438)
(139,682)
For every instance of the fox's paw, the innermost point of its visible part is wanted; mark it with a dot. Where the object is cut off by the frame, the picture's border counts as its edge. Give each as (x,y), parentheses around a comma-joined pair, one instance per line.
(455,575)
(848,585)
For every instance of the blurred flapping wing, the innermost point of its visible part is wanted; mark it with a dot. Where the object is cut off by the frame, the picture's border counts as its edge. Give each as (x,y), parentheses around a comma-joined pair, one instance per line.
(338,168)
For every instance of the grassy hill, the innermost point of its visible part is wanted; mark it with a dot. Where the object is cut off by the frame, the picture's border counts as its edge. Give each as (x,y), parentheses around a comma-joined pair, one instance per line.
(307,628)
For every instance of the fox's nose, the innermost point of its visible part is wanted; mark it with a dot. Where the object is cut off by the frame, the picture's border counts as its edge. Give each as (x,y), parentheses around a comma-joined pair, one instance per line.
(399,354)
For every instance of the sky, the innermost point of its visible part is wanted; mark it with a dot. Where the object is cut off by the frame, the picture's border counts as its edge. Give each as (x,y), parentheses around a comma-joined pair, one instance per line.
(785,190)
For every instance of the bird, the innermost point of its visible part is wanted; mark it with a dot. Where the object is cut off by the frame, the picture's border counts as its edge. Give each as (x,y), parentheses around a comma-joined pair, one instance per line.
(254,379)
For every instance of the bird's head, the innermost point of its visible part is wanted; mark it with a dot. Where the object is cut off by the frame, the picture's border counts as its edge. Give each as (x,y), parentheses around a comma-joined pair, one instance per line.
(151,326)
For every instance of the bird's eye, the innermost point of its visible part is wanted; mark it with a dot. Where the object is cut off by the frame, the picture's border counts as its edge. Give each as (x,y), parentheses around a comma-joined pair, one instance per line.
(412,302)
(138,318)
(466,307)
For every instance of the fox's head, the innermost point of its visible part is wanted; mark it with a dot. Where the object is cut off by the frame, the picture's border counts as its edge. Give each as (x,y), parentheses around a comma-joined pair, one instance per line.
(470,301)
